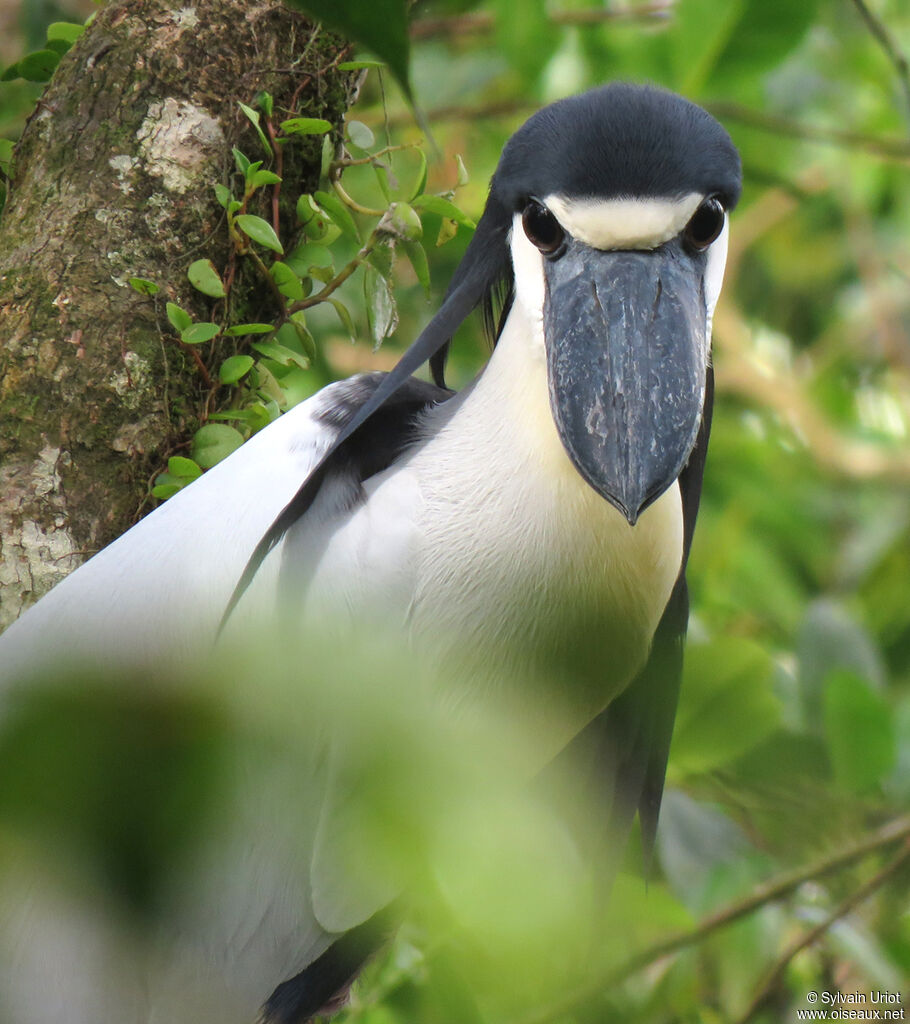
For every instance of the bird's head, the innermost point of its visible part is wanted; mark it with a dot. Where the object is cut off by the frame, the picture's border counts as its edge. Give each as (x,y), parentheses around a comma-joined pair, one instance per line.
(607,224)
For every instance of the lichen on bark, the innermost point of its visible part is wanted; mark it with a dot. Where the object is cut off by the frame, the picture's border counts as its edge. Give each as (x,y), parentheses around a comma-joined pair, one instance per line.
(113,179)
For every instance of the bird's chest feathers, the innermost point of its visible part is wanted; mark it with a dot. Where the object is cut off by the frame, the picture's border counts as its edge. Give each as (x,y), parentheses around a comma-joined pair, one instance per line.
(518,553)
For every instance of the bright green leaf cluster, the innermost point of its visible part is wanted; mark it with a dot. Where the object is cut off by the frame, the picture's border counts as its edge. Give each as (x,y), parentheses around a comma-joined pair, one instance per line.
(40,65)
(268,365)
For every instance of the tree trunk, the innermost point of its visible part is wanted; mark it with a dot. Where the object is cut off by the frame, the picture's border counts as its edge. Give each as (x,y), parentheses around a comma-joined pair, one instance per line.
(114,179)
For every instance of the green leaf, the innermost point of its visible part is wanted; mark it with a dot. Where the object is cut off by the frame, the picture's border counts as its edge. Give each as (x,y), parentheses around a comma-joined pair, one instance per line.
(197,334)
(312,218)
(358,65)
(448,229)
(214,442)
(281,353)
(58,46)
(307,256)
(860,732)
(727,705)
(204,278)
(328,155)
(307,341)
(259,230)
(287,282)
(463,176)
(38,66)
(344,316)
(242,161)
(360,135)
(266,103)
(180,466)
(380,26)
(306,126)
(10,73)
(444,207)
(418,259)
(240,330)
(270,391)
(382,313)
(166,486)
(382,258)
(403,221)
(254,118)
(234,368)
(382,177)
(65,31)
(144,286)
(421,183)
(323,274)
(223,195)
(338,213)
(178,317)
(255,414)
(261,178)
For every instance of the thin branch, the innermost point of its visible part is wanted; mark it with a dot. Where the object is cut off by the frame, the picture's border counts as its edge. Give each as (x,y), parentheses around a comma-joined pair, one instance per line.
(890,47)
(482,22)
(812,936)
(883,146)
(895,831)
(347,161)
(336,282)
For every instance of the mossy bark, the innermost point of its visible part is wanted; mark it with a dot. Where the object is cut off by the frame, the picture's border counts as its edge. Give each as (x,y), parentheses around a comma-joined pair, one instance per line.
(114,179)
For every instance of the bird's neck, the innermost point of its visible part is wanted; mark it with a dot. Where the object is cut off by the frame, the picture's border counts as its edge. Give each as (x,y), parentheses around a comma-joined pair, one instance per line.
(558,568)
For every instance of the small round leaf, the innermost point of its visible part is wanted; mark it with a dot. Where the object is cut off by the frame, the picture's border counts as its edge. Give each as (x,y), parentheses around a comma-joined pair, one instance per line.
(196,334)
(204,278)
(259,230)
(214,442)
(234,368)
(143,286)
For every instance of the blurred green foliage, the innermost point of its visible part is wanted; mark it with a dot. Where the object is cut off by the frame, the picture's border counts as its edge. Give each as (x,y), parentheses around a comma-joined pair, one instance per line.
(793,736)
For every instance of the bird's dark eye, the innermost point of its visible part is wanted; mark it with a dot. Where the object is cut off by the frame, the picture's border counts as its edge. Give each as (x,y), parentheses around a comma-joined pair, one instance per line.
(706,224)
(542,227)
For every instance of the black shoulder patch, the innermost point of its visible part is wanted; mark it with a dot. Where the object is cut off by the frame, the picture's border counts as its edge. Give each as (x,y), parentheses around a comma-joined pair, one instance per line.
(370,448)
(376,444)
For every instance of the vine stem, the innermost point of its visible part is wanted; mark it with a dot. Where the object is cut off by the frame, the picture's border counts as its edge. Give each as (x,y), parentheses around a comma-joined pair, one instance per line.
(264,271)
(897,830)
(197,359)
(352,203)
(278,153)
